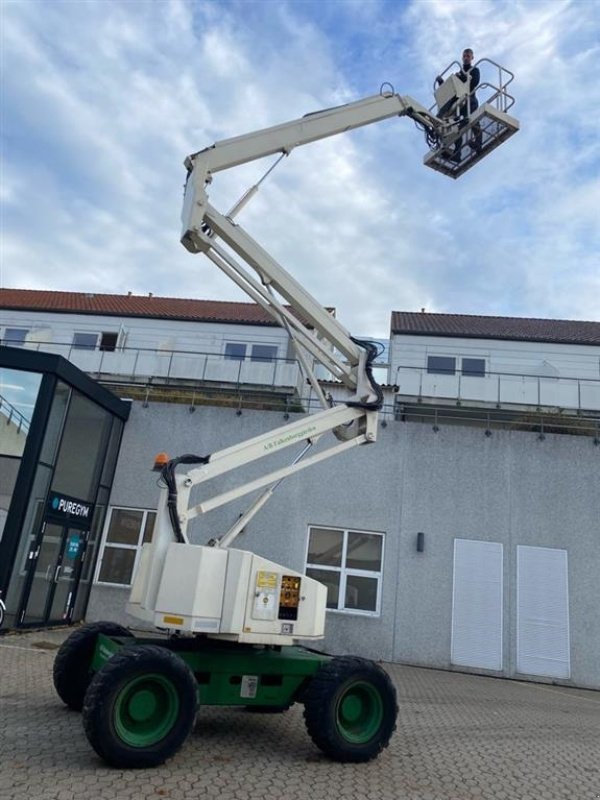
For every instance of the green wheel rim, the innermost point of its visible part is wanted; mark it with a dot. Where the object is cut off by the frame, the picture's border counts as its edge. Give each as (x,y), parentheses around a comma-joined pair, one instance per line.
(146,709)
(359,712)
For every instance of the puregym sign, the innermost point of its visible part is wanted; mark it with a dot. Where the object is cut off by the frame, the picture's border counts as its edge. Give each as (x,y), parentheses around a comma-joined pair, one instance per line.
(69,509)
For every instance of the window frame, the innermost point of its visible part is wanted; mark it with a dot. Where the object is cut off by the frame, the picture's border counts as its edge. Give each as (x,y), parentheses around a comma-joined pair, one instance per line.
(343,571)
(260,359)
(103,346)
(440,371)
(473,374)
(14,342)
(89,348)
(121,545)
(229,357)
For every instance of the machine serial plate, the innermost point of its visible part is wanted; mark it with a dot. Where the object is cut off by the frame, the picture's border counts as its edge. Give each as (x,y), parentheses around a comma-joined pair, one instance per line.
(249,686)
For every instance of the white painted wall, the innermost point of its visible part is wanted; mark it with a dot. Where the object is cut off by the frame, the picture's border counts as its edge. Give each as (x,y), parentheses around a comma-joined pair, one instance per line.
(159,347)
(141,332)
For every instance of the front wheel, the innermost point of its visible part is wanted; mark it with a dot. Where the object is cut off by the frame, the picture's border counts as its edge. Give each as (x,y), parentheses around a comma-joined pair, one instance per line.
(140,707)
(350,709)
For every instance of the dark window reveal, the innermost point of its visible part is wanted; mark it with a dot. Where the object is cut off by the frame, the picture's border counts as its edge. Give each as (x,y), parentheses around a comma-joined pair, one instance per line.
(15,337)
(441,365)
(108,341)
(263,352)
(85,341)
(235,351)
(474,367)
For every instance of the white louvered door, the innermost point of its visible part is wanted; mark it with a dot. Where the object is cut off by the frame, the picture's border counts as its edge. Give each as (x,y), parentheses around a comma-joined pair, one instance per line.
(543,641)
(477,604)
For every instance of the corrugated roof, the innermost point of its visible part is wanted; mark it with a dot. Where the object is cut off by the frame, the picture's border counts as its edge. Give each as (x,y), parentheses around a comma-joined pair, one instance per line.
(119,305)
(468,326)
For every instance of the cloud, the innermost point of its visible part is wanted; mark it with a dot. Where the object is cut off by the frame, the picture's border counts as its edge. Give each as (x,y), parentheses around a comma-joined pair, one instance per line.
(104,100)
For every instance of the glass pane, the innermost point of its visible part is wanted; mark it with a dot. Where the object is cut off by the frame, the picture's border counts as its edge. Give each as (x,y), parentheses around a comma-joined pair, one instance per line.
(329,579)
(15,337)
(31,528)
(474,366)
(82,449)
(325,547)
(364,551)
(149,526)
(68,575)
(18,395)
(85,341)
(90,555)
(54,427)
(361,593)
(263,352)
(112,451)
(125,526)
(43,577)
(117,565)
(235,352)
(441,365)
(9,469)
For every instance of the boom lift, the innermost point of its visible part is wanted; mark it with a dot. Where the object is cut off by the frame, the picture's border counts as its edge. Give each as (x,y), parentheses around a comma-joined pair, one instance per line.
(234,619)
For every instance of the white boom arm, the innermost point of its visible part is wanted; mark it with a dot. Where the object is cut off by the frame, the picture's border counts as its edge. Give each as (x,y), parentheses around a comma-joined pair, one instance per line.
(240,257)
(235,252)
(232,593)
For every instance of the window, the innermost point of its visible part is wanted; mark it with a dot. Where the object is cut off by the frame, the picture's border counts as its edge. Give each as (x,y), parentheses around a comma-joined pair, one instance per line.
(126,531)
(264,352)
(441,365)
(108,341)
(85,341)
(15,337)
(473,367)
(349,563)
(235,351)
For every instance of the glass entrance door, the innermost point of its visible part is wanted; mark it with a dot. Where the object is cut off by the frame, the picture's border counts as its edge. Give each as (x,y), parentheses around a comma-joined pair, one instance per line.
(54,569)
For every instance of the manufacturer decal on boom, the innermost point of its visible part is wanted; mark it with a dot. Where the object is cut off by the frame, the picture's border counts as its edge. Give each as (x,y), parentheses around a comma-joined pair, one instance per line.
(291,437)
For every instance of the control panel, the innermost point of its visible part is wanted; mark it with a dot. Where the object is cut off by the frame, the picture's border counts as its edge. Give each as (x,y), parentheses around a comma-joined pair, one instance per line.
(289,597)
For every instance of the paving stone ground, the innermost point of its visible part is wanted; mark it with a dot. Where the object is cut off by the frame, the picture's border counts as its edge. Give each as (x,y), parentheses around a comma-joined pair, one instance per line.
(459,737)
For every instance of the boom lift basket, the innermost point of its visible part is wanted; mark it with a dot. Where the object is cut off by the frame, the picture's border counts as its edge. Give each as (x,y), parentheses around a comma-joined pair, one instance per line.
(478,133)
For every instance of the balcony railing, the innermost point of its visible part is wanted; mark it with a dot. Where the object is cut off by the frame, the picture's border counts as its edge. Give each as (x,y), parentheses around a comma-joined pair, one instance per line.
(500,389)
(141,364)
(12,416)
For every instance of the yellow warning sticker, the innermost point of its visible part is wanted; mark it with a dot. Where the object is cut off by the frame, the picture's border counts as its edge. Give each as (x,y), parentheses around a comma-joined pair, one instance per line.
(266,580)
(171,619)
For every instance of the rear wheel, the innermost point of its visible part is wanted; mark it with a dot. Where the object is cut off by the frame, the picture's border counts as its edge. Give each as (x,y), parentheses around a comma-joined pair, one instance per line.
(72,665)
(350,709)
(140,707)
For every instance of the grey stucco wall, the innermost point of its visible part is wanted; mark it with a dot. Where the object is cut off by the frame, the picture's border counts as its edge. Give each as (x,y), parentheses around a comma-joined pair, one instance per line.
(510,487)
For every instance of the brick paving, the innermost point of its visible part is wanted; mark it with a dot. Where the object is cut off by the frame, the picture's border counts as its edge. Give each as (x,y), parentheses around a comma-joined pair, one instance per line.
(459,737)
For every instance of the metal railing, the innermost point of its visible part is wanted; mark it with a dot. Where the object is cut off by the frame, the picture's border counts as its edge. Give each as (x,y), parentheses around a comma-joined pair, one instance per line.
(491,93)
(143,364)
(14,416)
(500,388)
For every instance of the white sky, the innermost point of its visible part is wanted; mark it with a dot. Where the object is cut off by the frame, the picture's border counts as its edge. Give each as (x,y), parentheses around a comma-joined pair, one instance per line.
(102,100)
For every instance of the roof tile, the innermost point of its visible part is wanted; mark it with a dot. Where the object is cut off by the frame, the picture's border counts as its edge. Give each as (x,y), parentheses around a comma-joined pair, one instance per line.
(135,306)
(468,326)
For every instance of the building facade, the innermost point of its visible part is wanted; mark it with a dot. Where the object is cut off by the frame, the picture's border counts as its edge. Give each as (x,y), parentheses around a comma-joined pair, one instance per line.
(467,538)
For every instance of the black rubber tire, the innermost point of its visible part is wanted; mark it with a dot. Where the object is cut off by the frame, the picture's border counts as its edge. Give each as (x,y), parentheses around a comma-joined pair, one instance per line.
(72,664)
(108,689)
(336,681)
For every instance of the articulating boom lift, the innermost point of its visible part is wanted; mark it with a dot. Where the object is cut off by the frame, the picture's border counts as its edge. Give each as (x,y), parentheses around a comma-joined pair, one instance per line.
(233,617)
